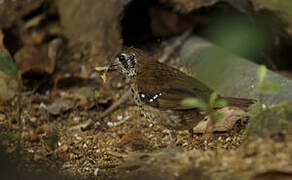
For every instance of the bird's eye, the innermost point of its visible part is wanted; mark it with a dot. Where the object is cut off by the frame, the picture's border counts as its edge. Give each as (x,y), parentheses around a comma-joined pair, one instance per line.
(122,57)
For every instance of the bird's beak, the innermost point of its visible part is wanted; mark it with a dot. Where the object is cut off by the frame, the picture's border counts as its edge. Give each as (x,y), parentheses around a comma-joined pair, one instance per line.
(111,66)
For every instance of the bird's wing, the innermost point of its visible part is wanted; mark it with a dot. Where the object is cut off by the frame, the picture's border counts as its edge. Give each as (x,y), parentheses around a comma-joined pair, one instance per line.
(166,87)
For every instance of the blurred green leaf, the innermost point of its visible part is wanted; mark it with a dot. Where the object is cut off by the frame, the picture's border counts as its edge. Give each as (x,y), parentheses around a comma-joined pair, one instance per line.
(7,65)
(262,72)
(88,93)
(269,86)
(217,116)
(213,98)
(221,103)
(9,136)
(95,94)
(195,102)
(243,39)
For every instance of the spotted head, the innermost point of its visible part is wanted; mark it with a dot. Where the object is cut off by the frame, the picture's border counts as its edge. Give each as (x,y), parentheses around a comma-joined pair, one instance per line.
(125,63)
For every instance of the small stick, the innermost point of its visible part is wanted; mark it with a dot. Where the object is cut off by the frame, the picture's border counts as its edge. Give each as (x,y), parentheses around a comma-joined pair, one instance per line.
(166,54)
(168,50)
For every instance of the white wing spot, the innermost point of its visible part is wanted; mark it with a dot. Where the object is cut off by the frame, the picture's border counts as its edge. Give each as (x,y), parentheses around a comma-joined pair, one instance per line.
(151,100)
(142,95)
(156,96)
(160,94)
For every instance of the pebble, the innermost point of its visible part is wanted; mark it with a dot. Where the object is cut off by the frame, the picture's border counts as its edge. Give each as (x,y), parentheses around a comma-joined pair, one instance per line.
(76,118)
(77,137)
(110,124)
(2,117)
(96,171)
(66,166)
(120,117)
(33,119)
(119,85)
(43,105)
(71,156)
(64,148)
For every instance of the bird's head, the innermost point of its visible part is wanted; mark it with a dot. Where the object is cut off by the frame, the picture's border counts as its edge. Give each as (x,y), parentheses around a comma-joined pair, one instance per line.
(125,62)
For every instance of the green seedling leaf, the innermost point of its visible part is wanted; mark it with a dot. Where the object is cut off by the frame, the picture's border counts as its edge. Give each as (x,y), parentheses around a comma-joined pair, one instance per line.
(7,65)
(220,103)
(262,72)
(269,86)
(213,98)
(95,94)
(195,102)
(88,93)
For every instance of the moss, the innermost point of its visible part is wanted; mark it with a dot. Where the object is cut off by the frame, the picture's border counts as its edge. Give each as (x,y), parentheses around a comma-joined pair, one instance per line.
(270,120)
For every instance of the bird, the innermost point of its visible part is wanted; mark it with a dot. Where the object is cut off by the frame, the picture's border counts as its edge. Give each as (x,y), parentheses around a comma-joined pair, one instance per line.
(159,89)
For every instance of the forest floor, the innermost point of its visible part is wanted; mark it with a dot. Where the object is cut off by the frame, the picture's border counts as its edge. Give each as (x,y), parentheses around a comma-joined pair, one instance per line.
(40,127)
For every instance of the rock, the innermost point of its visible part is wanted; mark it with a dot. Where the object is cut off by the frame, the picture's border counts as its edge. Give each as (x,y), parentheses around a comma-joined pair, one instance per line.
(11,11)
(100,30)
(165,22)
(33,60)
(134,139)
(231,116)
(8,87)
(60,106)
(54,49)
(186,6)
(275,119)
(281,8)
(220,70)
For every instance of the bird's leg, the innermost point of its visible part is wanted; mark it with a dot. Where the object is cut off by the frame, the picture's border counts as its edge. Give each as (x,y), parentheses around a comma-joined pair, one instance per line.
(172,136)
(191,131)
(209,130)
(191,135)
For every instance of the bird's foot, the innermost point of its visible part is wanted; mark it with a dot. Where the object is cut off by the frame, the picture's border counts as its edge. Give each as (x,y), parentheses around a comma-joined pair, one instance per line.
(208,135)
(191,136)
(173,138)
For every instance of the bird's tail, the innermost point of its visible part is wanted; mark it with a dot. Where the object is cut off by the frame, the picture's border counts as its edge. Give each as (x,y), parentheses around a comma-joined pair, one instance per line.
(239,102)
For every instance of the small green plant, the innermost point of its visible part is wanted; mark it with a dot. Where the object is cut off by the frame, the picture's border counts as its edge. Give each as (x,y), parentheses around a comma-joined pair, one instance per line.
(266,86)
(208,107)
(262,116)
(9,136)
(88,93)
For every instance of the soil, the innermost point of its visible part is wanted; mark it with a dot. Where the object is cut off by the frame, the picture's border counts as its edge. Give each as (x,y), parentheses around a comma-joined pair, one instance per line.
(56,142)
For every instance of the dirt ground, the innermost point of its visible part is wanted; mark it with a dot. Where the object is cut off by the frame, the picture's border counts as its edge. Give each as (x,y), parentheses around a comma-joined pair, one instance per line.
(124,144)
(59,93)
